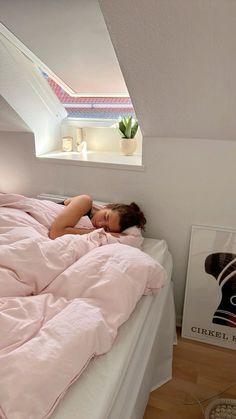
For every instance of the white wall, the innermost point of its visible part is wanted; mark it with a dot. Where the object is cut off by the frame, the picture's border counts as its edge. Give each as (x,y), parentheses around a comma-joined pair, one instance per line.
(185,182)
(9,119)
(179,64)
(186,107)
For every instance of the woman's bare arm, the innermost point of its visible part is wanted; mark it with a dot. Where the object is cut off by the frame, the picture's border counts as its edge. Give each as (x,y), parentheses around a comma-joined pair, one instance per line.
(64,223)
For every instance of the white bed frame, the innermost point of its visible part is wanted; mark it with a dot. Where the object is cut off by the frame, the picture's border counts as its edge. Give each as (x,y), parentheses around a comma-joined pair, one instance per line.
(153,356)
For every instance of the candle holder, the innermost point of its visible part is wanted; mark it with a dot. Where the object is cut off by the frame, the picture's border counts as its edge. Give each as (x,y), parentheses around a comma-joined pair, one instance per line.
(67,144)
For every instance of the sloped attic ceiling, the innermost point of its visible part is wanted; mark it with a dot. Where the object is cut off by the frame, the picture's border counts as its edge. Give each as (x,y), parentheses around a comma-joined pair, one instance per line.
(70,37)
(9,119)
(179,62)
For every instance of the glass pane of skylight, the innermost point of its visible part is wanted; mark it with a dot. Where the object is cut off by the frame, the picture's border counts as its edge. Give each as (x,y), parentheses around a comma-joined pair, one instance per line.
(92,107)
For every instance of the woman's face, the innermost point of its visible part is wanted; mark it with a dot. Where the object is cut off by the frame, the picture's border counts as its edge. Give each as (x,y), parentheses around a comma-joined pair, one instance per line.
(107,219)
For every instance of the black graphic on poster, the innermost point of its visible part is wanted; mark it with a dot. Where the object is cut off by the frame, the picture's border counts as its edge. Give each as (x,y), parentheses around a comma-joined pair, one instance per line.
(222,266)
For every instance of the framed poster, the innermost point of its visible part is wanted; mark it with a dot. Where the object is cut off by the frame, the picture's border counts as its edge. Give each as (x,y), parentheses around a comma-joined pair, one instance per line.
(210,295)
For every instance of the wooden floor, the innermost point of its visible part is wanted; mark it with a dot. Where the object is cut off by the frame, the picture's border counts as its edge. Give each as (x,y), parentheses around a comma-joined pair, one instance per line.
(200,371)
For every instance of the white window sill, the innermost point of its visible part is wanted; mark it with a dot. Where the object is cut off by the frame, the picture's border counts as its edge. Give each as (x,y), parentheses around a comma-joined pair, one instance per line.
(113,160)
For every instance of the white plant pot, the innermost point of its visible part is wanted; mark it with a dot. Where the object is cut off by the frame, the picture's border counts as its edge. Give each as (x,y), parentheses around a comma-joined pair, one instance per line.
(128,146)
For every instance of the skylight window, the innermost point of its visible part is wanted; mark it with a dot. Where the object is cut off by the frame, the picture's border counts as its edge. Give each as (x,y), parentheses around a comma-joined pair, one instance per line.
(91,107)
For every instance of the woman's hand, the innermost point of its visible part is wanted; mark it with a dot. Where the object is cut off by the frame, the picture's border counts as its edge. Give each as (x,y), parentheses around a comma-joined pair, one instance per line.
(117,234)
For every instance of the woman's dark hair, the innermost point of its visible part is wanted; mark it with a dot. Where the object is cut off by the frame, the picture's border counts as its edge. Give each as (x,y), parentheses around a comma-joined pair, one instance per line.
(130,215)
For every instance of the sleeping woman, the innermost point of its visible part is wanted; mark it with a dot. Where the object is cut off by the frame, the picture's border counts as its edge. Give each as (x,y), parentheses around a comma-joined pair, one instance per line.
(114,218)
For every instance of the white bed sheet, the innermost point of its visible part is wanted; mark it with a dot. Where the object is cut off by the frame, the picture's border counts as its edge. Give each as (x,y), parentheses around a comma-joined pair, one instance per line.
(116,385)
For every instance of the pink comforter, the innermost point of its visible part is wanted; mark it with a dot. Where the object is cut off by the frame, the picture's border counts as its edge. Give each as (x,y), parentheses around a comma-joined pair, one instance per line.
(61,302)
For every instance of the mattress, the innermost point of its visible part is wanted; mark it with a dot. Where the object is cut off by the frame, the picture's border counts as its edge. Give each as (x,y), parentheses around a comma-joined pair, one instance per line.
(116,385)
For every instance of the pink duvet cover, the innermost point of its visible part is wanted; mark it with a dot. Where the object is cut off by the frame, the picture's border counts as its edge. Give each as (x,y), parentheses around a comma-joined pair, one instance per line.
(61,302)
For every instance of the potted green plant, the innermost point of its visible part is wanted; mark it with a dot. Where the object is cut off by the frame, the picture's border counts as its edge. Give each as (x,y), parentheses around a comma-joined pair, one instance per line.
(128,127)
